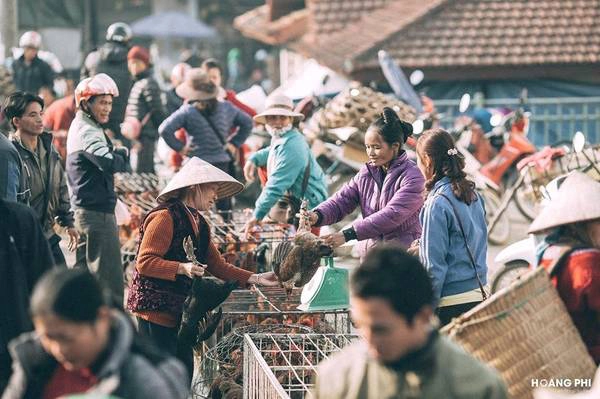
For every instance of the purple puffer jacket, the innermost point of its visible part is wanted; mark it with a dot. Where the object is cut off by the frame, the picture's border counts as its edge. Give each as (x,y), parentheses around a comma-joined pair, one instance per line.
(390,206)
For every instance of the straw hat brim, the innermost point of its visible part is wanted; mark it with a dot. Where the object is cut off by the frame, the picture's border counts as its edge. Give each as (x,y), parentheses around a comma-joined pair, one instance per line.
(577,200)
(197,171)
(186,91)
(261,118)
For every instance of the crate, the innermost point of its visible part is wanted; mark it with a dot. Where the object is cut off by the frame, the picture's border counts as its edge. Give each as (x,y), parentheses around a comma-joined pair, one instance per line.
(285,365)
(525,332)
(225,359)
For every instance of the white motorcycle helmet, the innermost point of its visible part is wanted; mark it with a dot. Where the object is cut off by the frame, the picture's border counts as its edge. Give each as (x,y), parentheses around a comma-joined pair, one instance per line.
(30,39)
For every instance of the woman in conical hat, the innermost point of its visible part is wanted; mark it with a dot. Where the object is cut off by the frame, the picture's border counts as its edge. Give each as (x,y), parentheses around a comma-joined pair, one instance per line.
(571,252)
(164,272)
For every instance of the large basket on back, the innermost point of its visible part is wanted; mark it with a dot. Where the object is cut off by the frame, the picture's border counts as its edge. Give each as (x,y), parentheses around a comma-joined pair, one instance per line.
(524,332)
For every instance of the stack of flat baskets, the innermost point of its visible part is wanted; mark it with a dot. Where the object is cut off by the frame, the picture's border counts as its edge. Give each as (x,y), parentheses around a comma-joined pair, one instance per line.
(359,106)
(524,332)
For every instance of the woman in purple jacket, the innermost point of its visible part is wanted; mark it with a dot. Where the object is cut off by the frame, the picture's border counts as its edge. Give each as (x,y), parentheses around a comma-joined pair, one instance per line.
(389,190)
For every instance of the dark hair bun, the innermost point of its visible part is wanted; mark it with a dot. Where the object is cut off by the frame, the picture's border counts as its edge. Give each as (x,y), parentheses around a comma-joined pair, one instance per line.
(392,128)
(390,117)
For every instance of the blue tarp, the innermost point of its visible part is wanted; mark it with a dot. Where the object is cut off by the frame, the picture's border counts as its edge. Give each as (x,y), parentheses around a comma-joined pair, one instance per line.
(172,24)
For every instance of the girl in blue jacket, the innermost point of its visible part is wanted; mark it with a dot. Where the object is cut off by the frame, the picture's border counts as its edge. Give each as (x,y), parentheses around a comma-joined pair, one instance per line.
(453,245)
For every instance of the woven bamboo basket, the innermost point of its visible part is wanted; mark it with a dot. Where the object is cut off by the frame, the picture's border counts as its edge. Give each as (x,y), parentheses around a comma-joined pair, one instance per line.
(524,332)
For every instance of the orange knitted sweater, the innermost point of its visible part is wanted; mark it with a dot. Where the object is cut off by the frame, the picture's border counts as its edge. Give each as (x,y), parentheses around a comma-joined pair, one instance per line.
(158,233)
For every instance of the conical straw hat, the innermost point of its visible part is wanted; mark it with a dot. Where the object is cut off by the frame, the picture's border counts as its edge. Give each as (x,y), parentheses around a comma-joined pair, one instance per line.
(577,200)
(197,171)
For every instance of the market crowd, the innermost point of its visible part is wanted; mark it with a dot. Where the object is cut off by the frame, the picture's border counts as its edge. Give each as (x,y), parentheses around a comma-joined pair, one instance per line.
(422,234)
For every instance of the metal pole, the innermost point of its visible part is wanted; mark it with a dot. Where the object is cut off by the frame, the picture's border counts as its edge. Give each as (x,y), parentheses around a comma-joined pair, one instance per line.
(8,26)
(90,26)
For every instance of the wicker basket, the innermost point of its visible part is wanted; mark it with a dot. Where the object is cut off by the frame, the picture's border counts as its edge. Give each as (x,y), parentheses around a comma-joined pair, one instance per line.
(524,332)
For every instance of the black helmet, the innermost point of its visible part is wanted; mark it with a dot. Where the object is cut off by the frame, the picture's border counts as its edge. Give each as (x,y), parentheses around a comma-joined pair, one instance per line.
(118,32)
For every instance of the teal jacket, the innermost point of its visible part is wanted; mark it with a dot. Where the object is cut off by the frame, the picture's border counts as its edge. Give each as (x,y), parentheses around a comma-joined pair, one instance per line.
(292,155)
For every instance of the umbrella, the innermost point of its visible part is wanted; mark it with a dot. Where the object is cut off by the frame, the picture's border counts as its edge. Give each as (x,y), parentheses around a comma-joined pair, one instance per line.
(397,80)
(172,24)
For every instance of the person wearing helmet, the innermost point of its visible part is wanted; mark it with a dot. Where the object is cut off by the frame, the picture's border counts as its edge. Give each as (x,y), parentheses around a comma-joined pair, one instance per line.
(111,59)
(30,73)
(91,162)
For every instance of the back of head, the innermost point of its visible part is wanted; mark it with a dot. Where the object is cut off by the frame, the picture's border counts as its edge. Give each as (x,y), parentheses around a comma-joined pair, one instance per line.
(438,146)
(16,104)
(391,274)
(391,127)
(119,32)
(71,294)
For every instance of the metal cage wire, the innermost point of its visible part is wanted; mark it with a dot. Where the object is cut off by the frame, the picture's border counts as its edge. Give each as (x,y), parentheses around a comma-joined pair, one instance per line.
(285,365)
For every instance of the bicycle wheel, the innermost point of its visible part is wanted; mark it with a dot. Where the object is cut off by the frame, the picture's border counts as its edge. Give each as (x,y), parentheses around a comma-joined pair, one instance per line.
(527,201)
(501,232)
(508,274)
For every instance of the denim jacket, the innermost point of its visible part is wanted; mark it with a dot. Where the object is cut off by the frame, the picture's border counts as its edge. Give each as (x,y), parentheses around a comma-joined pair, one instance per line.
(442,248)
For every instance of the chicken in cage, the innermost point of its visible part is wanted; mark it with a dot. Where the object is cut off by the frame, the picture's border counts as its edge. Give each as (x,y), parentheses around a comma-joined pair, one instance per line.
(221,368)
(285,365)
(266,305)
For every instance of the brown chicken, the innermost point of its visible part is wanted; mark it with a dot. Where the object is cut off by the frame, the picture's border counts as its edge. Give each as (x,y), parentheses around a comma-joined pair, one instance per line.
(296,262)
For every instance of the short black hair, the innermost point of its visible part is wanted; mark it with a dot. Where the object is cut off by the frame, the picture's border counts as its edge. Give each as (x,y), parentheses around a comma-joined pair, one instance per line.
(389,273)
(16,104)
(71,294)
(211,63)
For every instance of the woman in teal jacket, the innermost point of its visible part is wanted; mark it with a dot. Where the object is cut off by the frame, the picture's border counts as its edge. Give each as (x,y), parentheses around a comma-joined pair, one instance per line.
(288,159)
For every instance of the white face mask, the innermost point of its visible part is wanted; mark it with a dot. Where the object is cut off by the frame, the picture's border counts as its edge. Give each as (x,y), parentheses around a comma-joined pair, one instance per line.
(278,132)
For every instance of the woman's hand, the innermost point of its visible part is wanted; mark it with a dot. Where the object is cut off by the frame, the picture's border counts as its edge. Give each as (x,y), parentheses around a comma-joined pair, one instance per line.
(313,217)
(250,224)
(335,239)
(414,248)
(232,150)
(190,269)
(73,238)
(249,171)
(268,279)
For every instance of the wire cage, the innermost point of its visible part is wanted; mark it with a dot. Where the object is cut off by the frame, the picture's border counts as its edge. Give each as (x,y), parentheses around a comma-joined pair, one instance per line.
(224,361)
(285,365)
(251,252)
(273,305)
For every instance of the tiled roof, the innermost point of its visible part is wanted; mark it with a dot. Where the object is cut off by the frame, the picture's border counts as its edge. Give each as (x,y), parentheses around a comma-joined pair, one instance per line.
(328,16)
(255,24)
(493,33)
(337,49)
(346,35)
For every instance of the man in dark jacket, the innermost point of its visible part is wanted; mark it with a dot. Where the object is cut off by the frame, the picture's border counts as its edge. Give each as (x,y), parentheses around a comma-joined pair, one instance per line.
(42,169)
(111,59)
(92,161)
(10,170)
(24,257)
(82,346)
(30,73)
(145,106)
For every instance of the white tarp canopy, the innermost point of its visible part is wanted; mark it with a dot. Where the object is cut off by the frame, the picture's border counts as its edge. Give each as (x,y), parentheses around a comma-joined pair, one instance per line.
(172,24)
(309,81)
